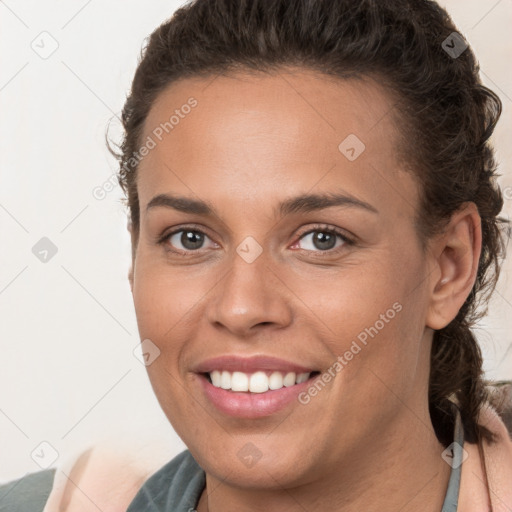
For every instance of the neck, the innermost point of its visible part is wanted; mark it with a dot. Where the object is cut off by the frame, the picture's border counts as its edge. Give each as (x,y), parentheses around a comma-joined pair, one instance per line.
(401,469)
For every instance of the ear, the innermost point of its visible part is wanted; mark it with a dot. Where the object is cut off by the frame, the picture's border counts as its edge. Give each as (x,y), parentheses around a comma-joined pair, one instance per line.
(130,277)
(129,226)
(456,253)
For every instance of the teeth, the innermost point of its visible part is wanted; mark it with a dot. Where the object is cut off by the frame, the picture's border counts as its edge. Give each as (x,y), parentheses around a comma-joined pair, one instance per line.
(302,377)
(275,381)
(239,382)
(225,380)
(258,382)
(289,379)
(216,378)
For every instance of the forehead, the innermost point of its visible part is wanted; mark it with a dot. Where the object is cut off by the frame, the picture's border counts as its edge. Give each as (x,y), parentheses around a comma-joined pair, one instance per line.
(282,131)
(284,99)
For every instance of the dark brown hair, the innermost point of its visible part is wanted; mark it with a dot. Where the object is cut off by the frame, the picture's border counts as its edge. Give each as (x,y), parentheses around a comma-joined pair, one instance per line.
(446,117)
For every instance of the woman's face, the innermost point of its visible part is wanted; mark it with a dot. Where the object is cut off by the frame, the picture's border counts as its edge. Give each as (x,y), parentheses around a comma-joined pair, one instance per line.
(284,245)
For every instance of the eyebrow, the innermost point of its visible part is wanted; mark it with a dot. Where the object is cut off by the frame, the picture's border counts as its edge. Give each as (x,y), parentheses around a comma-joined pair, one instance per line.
(300,204)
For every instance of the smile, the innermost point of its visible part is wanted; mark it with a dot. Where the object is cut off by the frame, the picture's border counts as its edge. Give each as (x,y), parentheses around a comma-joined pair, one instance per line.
(254,395)
(257,382)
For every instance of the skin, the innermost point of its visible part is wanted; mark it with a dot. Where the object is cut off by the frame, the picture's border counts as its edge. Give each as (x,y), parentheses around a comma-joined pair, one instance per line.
(366,441)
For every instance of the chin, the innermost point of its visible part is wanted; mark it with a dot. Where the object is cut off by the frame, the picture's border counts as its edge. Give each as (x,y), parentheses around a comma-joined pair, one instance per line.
(244,465)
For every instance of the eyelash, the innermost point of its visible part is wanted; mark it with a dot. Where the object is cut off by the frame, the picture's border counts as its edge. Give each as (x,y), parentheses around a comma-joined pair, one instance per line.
(323,228)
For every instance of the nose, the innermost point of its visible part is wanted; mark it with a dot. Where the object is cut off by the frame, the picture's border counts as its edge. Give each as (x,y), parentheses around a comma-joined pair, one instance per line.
(250,297)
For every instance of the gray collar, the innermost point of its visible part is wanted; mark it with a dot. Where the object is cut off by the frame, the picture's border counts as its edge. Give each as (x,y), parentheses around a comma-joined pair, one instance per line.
(454,455)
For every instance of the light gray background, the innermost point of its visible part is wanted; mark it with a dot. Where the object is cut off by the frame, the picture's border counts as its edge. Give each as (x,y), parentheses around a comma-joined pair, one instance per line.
(68,375)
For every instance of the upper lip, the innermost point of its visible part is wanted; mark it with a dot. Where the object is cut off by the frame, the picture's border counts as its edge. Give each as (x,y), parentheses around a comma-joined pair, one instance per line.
(251,364)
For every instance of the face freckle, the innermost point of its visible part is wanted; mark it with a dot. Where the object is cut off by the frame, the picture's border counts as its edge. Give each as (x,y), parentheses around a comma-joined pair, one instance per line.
(259,283)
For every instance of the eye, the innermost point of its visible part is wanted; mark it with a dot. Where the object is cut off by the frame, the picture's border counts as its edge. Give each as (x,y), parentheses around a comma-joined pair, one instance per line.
(320,239)
(185,240)
(323,239)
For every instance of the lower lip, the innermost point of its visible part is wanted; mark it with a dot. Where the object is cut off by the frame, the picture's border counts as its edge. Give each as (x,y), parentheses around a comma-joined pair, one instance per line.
(252,405)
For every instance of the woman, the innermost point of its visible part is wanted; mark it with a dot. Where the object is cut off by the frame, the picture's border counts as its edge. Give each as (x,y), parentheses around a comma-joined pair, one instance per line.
(314,221)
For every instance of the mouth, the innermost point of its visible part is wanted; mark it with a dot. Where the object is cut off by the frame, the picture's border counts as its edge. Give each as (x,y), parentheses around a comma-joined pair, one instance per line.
(253,387)
(257,382)
(260,394)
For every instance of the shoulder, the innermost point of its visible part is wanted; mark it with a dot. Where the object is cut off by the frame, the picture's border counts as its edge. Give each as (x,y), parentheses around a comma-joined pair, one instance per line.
(99,479)
(27,494)
(176,486)
(487,466)
(500,399)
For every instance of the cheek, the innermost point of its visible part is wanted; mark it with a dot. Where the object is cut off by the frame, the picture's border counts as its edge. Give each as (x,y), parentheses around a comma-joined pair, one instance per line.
(164,299)
(374,317)
(165,305)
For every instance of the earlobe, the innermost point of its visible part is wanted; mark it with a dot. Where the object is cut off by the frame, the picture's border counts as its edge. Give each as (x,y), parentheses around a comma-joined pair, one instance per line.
(456,255)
